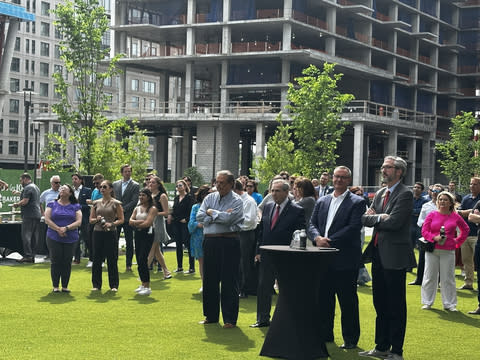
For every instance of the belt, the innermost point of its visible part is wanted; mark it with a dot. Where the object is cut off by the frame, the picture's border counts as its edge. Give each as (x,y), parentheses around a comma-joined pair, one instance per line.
(228,234)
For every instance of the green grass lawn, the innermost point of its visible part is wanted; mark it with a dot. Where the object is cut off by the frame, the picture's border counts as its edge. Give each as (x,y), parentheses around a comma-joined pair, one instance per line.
(37,324)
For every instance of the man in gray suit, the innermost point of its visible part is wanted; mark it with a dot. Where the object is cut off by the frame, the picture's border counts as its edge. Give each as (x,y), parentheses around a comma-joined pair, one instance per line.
(391,253)
(127,190)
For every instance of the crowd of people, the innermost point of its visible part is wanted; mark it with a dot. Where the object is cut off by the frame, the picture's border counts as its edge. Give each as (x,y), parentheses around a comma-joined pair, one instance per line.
(224,225)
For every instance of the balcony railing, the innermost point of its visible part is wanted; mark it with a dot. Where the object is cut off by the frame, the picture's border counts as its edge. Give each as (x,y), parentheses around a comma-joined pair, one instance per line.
(253,46)
(381,44)
(209,48)
(310,20)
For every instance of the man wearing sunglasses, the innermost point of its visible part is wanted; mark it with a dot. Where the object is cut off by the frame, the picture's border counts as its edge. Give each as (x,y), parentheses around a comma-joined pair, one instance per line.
(46,197)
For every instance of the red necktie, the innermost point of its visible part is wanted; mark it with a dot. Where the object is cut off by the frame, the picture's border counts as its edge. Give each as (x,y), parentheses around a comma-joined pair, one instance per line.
(275,217)
(385,200)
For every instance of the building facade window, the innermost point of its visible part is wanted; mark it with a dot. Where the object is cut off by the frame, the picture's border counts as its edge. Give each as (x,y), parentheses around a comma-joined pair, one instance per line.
(34,27)
(27,45)
(44,29)
(17,44)
(149,87)
(27,26)
(135,102)
(13,127)
(135,84)
(33,47)
(15,65)
(14,85)
(44,69)
(58,33)
(44,49)
(14,106)
(1,146)
(57,52)
(1,126)
(45,8)
(43,89)
(32,68)
(13,148)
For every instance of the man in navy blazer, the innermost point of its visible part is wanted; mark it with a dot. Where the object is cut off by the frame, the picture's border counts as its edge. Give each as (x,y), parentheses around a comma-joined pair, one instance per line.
(82,193)
(280,219)
(336,222)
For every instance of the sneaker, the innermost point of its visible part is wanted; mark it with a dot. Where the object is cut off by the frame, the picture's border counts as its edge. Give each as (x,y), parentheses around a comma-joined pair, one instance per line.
(145,291)
(179,270)
(103,264)
(426,307)
(140,288)
(89,264)
(452,309)
(190,271)
(375,353)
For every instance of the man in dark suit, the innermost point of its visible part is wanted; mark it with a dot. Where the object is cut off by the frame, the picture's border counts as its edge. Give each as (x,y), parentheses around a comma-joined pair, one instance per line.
(324,189)
(280,219)
(336,222)
(126,190)
(82,193)
(391,253)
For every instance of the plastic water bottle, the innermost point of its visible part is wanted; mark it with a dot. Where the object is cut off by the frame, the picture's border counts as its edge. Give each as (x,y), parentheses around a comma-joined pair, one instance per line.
(442,236)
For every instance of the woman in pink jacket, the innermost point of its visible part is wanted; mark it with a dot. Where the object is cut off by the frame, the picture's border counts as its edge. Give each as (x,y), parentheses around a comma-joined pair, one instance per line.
(440,227)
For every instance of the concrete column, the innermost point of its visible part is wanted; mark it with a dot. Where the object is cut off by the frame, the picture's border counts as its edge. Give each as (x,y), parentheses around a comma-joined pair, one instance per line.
(287,8)
(186,149)
(122,38)
(426,161)
(190,48)
(392,142)
(412,158)
(223,90)
(189,86)
(287,37)
(246,156)
(226,39)
(226,10)
(332,27)
(6,59)
(191,11)
(285,80)
(358,146)
(260,140)
(122,90)
(177,165)
(161,157)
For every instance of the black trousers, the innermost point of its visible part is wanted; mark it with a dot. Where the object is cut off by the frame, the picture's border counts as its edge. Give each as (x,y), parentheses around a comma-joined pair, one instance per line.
(143,244)
(128,232)
(84,236)
(61,261)
(182,237)
(343,284)
(266,280)
(220,278)
(421,265)
(476,257)
(247,258)
(105,247)
(389,299)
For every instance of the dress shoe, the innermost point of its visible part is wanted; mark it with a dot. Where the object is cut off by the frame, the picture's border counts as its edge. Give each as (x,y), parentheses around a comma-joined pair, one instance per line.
(393,356)
(229,326)
(375,353)
(260,324)
(465,287)
(415,283)
(206,321)
(65,290)
(475,312)
(24,260)
(348,346)
(76,262)
(56,290)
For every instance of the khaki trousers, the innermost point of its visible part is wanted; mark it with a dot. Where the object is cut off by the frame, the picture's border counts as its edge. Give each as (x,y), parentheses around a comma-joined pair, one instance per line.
(468,249)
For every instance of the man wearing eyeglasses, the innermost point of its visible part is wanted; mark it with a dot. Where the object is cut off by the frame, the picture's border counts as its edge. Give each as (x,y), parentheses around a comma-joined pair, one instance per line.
(427,208)
(46,197)
(391,254)
(337,222)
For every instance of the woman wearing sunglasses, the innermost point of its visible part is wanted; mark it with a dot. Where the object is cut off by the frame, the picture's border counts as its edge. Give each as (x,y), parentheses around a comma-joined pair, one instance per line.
(106,215)
(63,217)
(142,221)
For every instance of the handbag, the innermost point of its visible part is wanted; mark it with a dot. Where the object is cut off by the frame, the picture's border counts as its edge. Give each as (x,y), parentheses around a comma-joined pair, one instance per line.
(426,245)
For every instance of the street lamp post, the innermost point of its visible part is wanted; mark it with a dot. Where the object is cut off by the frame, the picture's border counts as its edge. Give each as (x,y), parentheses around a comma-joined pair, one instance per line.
(36,129)
(27,104)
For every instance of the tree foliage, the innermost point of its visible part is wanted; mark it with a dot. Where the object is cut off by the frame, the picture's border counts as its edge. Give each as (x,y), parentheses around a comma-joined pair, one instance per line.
(308,145)
(280,154)
(316,107)
(99,144)
(459,155)
(194,174)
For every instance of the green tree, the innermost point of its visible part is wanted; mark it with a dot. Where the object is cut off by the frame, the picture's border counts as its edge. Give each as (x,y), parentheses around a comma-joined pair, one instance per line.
(280,154)
(460,154)
(316,107)
(82,24)
(194,174)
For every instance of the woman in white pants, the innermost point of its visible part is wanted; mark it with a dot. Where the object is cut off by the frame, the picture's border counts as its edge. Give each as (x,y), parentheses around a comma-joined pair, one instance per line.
(442,260)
